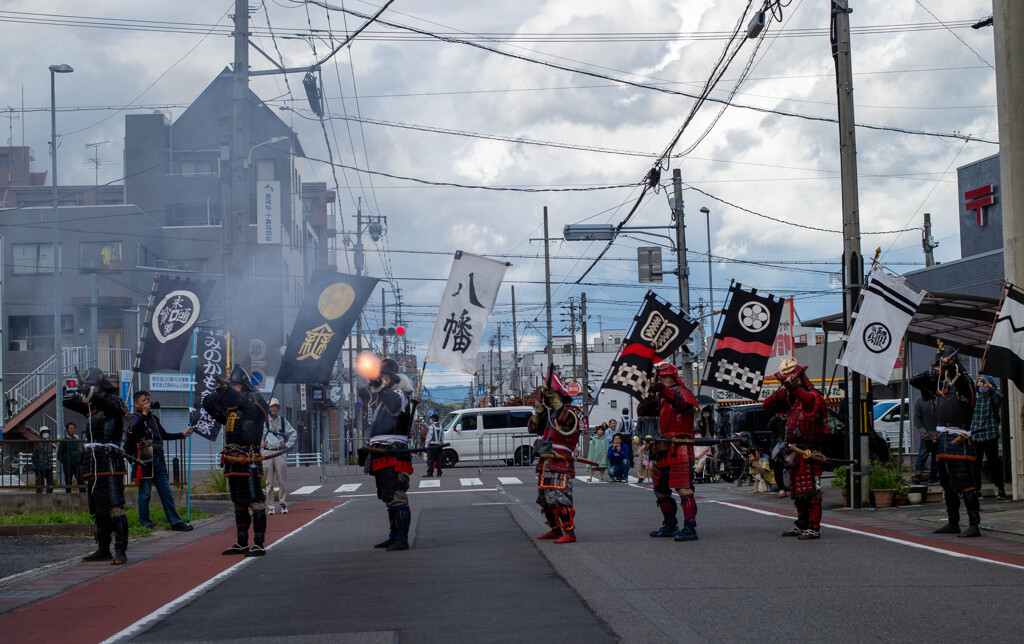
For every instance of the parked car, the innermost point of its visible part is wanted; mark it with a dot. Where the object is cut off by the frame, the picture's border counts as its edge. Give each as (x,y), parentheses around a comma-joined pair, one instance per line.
(488,433)
(887,415)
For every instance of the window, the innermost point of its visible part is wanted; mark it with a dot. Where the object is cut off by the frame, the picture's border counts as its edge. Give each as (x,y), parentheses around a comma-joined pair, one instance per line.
(520,418)
(32,259)
(197,264)
(495,420)
(35,332)
(105,256)
(200,213)
(468,422)
(197,167)
(265,170)
(613,404)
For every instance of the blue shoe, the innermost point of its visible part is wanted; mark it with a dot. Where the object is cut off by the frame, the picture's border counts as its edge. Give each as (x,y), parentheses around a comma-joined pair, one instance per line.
(666,531)
(687,534)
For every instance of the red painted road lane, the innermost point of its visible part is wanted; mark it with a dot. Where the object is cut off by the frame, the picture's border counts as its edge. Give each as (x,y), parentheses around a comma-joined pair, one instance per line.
(990,549)
(96,610)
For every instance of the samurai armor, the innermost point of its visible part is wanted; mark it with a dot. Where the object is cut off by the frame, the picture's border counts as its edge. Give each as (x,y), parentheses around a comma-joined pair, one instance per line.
(553,475)
(551,497)
(949,447)
(673,477)
(245,482)
(804,478)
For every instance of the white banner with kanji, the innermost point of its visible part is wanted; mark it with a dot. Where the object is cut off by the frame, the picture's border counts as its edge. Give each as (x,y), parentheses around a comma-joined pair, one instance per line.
(465,308)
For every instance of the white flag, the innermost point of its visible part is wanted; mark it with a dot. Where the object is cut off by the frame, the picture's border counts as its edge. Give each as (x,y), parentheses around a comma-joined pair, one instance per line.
(885,311)
(465,309)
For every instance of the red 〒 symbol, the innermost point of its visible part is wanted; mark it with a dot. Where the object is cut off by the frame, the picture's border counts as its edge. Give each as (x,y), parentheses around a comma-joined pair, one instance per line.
(977,199)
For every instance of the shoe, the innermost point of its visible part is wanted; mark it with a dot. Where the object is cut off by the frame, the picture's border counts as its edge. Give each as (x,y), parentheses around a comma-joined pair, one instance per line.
(568,537)
(971,531)
(120,558)
(793,532)
(809,534)
(181,526)
(147,525)
(398,545)
(949,528)
(550,534)
(101,554)
(782,494)
(385,544)
(687,534)
(237,549)
(256,551)
(665,531)
(270,509)
(1001,496)
(428,475)
(284,509)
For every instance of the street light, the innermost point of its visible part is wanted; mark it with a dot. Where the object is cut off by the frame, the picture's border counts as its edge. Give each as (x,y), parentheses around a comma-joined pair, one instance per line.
(711,290)
(57,343)
(276,139)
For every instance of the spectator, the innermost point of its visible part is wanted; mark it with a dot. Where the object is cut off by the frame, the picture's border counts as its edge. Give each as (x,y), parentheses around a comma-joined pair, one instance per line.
(706,420)
(67,454)
(278,435)
(613,427)
(924,421)
(700,455)
(42,461)
(598,453)
(645,458)
(146,441)
(626,423)
(985,433)
(764,477)
(434,440)
(618,458)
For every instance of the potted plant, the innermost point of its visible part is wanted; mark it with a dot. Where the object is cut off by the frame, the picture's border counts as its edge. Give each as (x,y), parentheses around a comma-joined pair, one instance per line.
(839,480)
(886,483)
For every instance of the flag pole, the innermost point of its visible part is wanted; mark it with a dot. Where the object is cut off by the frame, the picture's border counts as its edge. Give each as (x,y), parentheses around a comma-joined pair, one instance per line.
(714,336)
(191,403)
(991,332)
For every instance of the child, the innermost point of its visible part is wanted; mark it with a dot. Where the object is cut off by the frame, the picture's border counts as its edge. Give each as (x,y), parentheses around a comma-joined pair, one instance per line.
(645,458)
(761,470)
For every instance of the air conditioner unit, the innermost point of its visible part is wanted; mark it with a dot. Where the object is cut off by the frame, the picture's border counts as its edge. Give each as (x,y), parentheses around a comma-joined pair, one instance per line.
(18,345)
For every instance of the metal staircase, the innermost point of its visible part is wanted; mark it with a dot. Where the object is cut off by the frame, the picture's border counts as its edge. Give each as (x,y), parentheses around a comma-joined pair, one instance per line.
(36,390)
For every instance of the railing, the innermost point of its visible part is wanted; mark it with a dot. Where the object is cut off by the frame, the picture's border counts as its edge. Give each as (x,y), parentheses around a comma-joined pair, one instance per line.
(41,378)
(503,449)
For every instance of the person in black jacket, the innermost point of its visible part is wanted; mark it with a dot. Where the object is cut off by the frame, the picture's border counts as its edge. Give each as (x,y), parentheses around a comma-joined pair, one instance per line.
(103,465)
(244,413)
(146,442)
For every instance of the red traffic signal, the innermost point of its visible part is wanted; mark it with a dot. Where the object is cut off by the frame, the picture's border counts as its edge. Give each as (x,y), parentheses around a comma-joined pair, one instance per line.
(399,330)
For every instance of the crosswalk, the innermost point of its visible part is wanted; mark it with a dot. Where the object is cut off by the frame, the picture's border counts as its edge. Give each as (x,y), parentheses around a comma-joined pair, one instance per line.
(428,485)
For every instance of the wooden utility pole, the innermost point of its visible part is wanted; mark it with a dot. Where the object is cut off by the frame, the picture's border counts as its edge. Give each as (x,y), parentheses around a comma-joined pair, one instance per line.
(927,241)
(547,290)
(235,226)
(501,371)
(586,363)
(852,260)
(518,387)
(1008,22)
(682,272)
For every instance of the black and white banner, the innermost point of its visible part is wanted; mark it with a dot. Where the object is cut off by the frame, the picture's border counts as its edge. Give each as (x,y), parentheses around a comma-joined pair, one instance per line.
(886,308)
(465,308)
(744,342)
(1005,355)
(211,364)
(174,309)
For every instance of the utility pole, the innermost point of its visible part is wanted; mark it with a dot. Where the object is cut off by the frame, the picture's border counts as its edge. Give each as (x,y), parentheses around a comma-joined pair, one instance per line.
(547,289)
(572,333)
(490,374)
(383,324)
(236,224)
(1008,21)
(501,371)
(928,242)
(515,350)
(853,262)
(357,261)
(586,363)
(681,270)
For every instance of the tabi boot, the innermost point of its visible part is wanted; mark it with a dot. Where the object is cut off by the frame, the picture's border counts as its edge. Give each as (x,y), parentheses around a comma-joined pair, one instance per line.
(259,531)
(973,505)
(687,534)
(403,519)
(810,533)
(392,523)
(666,531)
(242,521)
(795,531)
(102,536)
(555,531)
(669,525)
(971,531)
(565,518)
(120,530)
(952,513)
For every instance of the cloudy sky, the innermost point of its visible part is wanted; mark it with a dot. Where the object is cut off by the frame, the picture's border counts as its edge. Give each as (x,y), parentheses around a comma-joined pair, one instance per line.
(910,72)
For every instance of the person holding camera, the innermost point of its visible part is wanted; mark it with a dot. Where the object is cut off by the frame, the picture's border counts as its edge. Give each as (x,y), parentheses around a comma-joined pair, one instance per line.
(760,467)
(805,428)
(146,438)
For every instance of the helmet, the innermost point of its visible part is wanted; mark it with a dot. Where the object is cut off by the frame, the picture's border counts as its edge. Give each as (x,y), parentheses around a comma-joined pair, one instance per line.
(390,367)
(93,377)
(669,369)
(240,376)
(788,365)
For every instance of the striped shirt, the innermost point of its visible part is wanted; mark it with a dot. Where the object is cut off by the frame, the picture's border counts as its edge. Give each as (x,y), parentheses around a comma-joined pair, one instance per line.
(985,421)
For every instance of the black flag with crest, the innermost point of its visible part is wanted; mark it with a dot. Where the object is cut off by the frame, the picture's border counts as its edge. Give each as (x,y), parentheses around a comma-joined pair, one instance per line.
(657,332)
(333,302)
(743,344)
(174,309)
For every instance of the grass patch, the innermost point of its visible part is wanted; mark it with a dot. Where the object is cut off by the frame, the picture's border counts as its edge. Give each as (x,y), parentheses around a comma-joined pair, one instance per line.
(214,483)
(135,529)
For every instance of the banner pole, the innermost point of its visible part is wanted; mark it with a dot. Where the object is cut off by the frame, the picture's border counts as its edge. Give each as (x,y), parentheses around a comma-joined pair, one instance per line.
(714,336)
(988,343)
(191,404)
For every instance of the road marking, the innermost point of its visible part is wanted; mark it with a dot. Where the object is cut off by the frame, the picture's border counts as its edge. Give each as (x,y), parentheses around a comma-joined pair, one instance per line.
(433,483)
(509,480)
(348,487)
(470,482)
(476,489)
(308,489)
(883,537)
(175,604)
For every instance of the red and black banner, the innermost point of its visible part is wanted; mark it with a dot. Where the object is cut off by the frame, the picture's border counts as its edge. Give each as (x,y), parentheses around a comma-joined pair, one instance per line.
(175,306)
(743,344)
(658,331)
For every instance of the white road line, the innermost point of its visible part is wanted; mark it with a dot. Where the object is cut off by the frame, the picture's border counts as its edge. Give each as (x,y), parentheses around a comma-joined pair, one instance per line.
(475,489)
(307,489)
(509,480)
(470,482)
(348,487)
(175,604)
(432,483)
(919,546)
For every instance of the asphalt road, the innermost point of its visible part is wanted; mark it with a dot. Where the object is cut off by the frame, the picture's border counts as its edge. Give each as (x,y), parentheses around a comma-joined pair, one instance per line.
(476,573)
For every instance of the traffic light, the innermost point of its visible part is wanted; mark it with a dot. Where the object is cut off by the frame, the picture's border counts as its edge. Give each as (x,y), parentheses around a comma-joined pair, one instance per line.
(391,330)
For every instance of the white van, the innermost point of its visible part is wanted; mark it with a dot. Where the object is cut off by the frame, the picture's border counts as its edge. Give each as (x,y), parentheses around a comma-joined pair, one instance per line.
(488,433)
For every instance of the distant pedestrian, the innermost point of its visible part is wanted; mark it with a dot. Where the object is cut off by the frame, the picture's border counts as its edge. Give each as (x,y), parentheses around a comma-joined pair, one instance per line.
(618,458)
(42,462)
(645,459)
(700,455)
(626,425)
(598,453)
(434,440)
(924,422)
(278,435)
(985,433)
(68,456)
